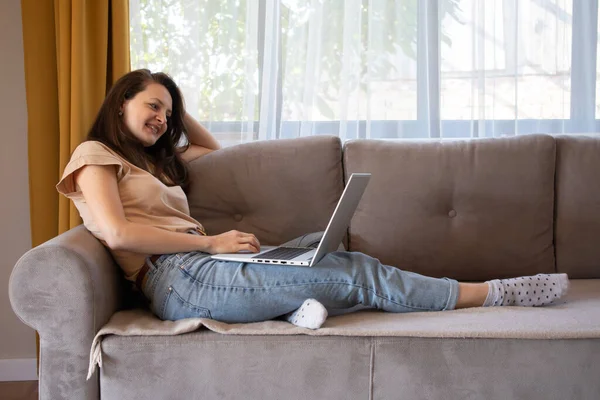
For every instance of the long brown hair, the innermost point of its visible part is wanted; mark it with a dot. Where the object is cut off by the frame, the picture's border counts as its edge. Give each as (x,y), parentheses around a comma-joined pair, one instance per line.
(162,159)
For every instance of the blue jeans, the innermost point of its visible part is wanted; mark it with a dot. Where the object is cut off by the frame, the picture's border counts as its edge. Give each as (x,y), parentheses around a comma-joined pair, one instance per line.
(185,285)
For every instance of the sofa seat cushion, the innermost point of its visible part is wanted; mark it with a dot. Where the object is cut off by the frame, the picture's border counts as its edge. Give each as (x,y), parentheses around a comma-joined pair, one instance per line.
(371,355)
(208,365)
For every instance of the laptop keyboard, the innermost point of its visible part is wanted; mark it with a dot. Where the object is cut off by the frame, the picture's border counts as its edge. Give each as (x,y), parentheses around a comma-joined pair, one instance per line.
(283,253)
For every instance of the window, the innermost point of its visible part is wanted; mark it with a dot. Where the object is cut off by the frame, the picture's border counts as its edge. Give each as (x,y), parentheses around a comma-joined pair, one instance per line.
(265,69)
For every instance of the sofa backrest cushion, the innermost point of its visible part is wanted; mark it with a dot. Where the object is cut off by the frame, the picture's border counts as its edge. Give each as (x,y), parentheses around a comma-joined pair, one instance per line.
(469,210)
(277,189)
(578,206)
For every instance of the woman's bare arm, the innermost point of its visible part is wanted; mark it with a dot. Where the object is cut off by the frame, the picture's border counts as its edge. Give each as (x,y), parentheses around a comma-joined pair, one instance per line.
(98,184)
(201,140)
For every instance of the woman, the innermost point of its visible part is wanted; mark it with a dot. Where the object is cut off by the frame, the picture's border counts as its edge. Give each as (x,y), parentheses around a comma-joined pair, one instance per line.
(126,181)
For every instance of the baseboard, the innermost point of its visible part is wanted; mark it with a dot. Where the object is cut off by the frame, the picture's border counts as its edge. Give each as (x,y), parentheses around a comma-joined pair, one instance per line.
(20,369)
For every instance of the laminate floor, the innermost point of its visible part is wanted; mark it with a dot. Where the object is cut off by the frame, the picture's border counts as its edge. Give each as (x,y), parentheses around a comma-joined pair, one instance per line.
(24,390)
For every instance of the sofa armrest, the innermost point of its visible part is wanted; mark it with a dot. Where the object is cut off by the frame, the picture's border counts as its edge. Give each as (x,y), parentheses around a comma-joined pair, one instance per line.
(66,289)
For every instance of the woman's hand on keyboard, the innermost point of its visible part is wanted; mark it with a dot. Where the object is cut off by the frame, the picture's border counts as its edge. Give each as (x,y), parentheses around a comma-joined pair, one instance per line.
(233,242)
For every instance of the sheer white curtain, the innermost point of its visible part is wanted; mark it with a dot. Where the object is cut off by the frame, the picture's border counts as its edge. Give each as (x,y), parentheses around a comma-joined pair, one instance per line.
(267,69)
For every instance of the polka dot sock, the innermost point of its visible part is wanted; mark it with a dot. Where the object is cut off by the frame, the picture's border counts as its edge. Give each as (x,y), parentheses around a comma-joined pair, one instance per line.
(311,315)
(527,291)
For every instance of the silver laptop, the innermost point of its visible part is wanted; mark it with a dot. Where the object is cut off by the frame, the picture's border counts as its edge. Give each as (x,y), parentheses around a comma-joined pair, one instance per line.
(333,236)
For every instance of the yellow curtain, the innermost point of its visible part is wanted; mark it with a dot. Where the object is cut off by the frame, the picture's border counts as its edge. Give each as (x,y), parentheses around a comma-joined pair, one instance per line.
(74,51)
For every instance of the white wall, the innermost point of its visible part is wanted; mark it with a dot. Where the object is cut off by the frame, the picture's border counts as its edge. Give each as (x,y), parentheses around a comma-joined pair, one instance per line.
(17,341)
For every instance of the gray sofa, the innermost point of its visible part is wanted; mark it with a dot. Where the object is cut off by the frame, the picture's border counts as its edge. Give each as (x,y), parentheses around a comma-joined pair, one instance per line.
(470,210)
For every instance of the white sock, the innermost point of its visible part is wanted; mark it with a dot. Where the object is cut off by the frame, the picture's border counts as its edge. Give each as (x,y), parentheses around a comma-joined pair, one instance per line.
(311,315)
(527,291)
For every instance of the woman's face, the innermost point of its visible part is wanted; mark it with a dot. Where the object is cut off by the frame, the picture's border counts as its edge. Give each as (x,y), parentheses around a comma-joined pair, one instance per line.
(146,114)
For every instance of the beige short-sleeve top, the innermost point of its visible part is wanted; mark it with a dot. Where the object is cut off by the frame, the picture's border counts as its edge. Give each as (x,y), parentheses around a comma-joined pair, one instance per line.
(146,200)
